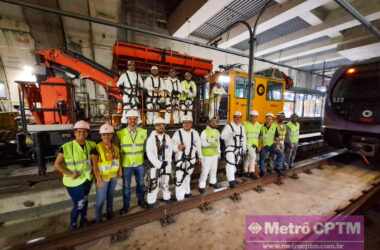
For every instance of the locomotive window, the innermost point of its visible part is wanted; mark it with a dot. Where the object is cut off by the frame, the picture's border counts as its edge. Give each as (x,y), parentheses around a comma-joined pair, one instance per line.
(241,87)
(274,92)
(361,86)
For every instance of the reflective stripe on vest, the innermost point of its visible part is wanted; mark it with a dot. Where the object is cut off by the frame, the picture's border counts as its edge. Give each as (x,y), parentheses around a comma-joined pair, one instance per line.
(281,132)
(253,132)
(186,88)
(212,137)
(77,159)
(268,134)
(294,132)
(108,168)
(132,148)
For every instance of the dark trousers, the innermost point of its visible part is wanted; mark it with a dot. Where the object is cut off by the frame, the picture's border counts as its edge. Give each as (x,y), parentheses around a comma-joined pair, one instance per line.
(138,172)
(268,151)
(79,197)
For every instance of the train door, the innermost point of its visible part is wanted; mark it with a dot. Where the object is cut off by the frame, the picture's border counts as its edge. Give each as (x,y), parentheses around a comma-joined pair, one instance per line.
(238,94)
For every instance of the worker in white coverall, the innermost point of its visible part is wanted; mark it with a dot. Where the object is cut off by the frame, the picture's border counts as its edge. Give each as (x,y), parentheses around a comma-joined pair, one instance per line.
(155,90)
(235,142)
(130,84)
(189,92)
(252,130)
(187,148)
(210,139)
(159,151)
(174,89)
(215,97)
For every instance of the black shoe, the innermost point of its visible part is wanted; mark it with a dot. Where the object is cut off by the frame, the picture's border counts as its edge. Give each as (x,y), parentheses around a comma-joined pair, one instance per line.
(216,185)
(83,223)
(142,204)
(232,184)
(110,215)
(188,195)
(150,206)
(253,176)
(123,211)
(166,201)
(201,190)
(262,174)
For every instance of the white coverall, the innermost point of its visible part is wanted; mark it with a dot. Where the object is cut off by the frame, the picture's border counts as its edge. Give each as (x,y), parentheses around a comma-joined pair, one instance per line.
(234,153)
(209,163)
(129,81)
(215,98)
(188,95)
(155,86)
(174,87)
(183,187)
(156,160)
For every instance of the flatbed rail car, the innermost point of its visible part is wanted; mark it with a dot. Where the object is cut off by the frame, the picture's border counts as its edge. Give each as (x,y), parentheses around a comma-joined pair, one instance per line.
(352,110)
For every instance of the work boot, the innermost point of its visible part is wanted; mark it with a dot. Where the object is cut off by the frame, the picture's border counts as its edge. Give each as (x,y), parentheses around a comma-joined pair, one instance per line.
(150,206)
(142,204)
(215,186)
(279,181)
(110,215)
(294,176)
(253,176)
(123,211)
(262,174)
(201,190)
(188,195)
(232,184)
(83,223)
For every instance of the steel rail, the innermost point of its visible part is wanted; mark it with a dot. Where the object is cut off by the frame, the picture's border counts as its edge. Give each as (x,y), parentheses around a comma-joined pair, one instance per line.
(117,228)
(143,31)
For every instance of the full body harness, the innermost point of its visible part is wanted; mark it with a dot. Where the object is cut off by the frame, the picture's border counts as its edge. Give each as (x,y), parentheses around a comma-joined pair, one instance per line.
(153,182)
(236,149)
(154,97)
(187,104)
(175,95)
(133,92)
(185,163)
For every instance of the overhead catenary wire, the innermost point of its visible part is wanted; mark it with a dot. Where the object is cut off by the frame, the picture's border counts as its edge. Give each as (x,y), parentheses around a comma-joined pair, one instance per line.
(147,32)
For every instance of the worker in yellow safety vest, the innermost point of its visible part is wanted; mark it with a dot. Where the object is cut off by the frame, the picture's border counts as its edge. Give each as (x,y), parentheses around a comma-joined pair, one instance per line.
(210,140)
(189,92)
(106,168)
(291,141)
(252,130)
(269,136)
(74,163)
(132,140)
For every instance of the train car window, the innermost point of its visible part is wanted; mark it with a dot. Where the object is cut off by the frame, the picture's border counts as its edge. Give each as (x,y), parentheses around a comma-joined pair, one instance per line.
(241,88)
(274,91)
(298,109)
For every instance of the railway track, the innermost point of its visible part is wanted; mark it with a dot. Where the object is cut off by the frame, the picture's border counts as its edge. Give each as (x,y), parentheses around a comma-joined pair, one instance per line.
(118,228)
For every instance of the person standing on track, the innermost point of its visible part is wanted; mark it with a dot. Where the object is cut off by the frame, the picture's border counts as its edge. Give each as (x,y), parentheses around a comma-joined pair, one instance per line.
(106,168)
(159,148)
(235,140)
(188,152)
(74,163)
(132,140)
(291,141)
(210,139)
(252,130)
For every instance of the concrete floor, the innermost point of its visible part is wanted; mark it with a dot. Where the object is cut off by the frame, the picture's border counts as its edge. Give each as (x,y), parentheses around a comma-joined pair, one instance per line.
(223,227)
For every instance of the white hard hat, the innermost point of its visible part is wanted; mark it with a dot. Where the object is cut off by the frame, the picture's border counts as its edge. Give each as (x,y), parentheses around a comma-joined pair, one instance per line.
(254,113)
(82,125)
(132,113)
(106,129)
(269,114)
(187,118)
(124,120)
(237,113)
(154,67)
(281,114)
(159,120)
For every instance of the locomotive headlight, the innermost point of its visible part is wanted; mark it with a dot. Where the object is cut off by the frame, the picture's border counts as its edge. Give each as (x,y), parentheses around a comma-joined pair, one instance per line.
(351,71)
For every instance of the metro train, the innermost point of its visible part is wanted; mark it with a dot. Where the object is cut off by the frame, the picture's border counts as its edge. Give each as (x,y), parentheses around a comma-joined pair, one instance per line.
(352,109)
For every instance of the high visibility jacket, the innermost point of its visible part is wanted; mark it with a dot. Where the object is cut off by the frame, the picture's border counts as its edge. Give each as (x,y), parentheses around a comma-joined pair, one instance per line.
(212,138)
(132,148)
(109,161)
(253,132)
(189,90)
(281,128)
(268,134)
(294,132)
(77,159)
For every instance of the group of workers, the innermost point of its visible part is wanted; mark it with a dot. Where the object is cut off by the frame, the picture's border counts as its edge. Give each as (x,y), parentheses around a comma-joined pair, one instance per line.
(81,160)
(168,95)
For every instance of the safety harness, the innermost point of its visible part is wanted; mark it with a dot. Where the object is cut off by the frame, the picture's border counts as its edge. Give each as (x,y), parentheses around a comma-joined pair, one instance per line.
(236,149)
(154,97)
(175,96)
(184,164)
(153,182)
(133,94)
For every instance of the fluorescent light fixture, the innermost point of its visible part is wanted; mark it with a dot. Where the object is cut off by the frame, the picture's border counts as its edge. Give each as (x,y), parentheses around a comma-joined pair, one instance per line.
(27,74)
(223,79)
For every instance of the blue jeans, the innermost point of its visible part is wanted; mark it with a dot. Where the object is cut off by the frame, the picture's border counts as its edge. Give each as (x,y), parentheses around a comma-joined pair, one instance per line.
(127,177)
(104,193)
(79,197)
(266,152)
